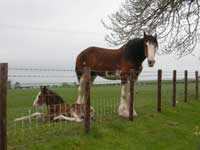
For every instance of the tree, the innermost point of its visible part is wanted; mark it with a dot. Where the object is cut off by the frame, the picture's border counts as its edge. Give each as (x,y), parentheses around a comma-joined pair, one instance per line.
(176,23)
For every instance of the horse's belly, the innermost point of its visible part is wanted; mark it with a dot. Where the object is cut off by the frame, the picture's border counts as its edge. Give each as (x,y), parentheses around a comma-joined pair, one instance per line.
(115,75)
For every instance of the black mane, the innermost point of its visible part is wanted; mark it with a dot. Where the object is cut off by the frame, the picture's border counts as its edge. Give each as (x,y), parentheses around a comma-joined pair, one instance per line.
(55,98)
(134,50)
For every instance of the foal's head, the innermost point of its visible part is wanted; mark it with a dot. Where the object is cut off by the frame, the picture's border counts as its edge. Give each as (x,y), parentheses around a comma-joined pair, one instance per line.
(46,96)
(150,47)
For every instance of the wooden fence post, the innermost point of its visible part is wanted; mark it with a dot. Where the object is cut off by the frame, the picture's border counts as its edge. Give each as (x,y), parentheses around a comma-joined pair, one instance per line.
(185,85)
(196,85)
(159,90)
(87,99)
(131,99)
(174,89)
(3,105)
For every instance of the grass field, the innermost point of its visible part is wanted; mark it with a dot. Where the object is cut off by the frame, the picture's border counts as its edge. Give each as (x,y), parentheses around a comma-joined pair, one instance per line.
(173,129)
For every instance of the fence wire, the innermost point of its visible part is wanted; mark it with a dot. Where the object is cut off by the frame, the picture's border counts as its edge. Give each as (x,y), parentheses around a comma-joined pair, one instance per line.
(105,99)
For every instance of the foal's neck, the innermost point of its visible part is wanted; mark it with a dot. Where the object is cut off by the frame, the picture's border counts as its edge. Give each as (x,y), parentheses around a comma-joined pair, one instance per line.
(54,99)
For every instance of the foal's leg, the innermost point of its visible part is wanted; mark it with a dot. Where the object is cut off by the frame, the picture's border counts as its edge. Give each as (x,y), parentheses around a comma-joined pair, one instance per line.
(23,118)
(62,117)
(34,115)
(75,115)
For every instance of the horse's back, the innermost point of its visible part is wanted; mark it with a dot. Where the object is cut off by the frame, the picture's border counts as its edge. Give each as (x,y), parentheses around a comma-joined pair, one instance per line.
(97,58)
(94,51)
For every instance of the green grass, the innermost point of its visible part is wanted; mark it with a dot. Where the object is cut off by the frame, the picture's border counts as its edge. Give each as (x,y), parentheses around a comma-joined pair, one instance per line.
(170,130)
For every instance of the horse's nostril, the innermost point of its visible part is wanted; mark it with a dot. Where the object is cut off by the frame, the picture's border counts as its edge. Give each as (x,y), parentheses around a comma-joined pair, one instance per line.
(151,62)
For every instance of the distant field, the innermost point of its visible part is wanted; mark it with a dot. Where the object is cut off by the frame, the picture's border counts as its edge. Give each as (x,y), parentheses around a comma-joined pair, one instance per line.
(170,130)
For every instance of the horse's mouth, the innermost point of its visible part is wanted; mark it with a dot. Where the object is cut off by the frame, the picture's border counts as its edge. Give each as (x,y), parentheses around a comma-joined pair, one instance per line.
(151,63)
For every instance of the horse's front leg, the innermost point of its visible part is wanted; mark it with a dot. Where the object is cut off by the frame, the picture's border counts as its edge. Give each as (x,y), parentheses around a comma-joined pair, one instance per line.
(124,105)
(136,74)
(34,115)
(125,99)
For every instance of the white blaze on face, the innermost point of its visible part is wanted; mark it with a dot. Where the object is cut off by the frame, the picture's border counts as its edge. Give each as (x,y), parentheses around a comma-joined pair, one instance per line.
(151,51)
(36,100)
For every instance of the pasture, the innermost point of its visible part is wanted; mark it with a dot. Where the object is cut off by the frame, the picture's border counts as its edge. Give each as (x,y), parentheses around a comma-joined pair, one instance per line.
(173,129)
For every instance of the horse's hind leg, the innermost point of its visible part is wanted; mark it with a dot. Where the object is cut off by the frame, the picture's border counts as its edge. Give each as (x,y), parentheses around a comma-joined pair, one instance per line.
(81,88)
(75,115)
(62,117)
(80,99)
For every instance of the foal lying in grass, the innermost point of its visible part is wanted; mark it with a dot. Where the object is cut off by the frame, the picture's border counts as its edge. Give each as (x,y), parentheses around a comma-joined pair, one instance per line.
(56,108)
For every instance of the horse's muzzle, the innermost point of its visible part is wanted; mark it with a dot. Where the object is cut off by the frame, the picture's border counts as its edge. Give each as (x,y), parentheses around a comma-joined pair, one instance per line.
(151,63)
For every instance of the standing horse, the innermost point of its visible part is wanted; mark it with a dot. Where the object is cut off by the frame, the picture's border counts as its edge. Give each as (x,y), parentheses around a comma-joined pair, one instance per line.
(56,108)
(116,64)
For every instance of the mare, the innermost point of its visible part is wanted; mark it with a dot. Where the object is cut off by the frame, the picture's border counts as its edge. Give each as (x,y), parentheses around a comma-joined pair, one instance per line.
(116,64)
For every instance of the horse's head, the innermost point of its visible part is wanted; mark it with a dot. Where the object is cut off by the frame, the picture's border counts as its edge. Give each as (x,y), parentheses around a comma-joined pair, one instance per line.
(48,97)
(150,47)
(41,97)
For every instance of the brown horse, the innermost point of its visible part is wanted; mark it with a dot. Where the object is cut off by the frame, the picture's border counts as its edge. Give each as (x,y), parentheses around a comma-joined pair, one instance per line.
(116,64)
(56,108)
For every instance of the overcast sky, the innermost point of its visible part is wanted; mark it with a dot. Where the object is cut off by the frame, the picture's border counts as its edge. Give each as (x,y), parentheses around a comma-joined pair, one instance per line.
(51,33)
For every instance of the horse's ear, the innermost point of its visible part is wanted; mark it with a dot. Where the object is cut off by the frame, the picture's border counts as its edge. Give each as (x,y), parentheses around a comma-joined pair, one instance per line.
(41,88)
(45,88)
(155,35)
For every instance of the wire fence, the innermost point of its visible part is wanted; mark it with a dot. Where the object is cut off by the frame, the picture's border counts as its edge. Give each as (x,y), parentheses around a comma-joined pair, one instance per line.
(105,99)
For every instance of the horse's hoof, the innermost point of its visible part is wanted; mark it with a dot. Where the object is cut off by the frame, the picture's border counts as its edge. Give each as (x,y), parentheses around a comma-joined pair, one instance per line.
(124,115)
(135,114)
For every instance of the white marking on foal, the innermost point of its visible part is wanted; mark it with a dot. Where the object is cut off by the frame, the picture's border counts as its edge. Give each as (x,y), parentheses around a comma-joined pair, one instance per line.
(36,100)
(62,117)
(151,51)
(34,115)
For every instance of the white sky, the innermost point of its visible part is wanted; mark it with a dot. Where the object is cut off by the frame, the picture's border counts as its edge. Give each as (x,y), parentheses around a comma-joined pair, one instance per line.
(51,33)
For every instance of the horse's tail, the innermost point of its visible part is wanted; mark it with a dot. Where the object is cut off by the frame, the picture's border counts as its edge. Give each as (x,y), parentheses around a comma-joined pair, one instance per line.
(81,63)
(77,73)
(79,67)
